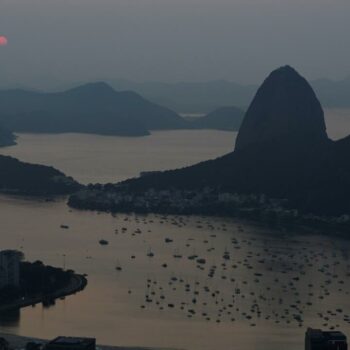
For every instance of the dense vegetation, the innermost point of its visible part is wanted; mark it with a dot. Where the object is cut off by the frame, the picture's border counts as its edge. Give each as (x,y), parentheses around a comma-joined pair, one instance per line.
(36,279)
(314,181)
(17,177)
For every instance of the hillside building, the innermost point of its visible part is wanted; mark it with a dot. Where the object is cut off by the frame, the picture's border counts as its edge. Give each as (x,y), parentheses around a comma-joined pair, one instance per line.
(9,268)
(316,339)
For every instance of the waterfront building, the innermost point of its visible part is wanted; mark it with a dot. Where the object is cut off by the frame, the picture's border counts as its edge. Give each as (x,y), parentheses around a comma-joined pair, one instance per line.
(9,268)
(316,339)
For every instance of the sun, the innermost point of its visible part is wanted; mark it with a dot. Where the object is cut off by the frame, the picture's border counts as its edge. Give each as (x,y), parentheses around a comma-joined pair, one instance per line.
(3,40)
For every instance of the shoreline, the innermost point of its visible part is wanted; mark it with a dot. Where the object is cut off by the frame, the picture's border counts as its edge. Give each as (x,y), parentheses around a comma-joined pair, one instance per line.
(279,225)
(302,225)
(19,342)
(77,284)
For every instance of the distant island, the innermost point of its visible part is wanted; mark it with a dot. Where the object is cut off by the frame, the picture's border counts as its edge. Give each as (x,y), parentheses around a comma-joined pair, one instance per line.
(21,178)
(225,118)
(284,166)
(92,108)
(7,138)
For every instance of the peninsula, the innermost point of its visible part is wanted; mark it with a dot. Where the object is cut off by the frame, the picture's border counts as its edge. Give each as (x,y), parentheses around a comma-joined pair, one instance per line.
(284,164)
(23,283)
(19,178)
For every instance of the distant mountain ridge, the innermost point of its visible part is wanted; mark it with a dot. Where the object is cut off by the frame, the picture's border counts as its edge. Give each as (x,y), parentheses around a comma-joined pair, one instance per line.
(333,94)
(91,108)
(97,108)
(192,97)
(7,138)
(225,118)
(204,97)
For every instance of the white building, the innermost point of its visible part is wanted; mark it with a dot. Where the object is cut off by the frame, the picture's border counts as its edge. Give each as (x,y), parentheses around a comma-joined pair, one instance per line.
(9,268)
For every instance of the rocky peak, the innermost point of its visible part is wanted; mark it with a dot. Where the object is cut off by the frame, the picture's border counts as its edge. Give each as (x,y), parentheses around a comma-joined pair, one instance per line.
(286,108)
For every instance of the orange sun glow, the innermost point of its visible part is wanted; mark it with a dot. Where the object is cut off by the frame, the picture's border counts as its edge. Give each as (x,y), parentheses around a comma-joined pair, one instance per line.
(3,40)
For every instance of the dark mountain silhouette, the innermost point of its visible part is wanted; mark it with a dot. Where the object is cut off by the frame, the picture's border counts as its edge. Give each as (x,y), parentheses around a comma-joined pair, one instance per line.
(285,106)
(282,151)
(92,108)
(7,138)
(224,118)
(17,177)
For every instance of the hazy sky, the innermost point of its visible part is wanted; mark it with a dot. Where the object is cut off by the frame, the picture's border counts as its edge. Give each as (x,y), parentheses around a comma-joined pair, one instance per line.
(54,41)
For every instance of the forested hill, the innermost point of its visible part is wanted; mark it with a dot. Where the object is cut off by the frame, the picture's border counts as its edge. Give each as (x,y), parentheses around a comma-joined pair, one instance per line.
(21,178)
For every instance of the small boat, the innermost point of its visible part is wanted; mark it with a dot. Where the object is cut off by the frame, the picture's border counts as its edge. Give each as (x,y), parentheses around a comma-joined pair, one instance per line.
(192,257)
(118,266)
(177,255)
(150,253)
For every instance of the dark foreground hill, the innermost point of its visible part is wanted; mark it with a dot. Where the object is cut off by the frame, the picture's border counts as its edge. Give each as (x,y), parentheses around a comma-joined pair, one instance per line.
(317,182)
(282,152)
(21,178)
(224,118)
(92,108)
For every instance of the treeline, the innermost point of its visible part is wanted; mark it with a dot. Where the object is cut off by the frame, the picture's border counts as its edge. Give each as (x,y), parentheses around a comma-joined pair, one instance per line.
(36,279)
(17,177)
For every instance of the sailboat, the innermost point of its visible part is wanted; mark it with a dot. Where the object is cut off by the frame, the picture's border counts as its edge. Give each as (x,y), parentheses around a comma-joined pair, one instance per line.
(118,266)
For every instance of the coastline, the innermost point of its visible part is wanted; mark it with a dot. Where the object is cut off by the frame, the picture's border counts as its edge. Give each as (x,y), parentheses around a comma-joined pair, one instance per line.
(19,342)
(307,225)
(77,283)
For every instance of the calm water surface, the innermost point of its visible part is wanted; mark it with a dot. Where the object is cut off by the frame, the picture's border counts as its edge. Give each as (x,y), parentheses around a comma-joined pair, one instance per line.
(338,123)
(214,283)
(94,158)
